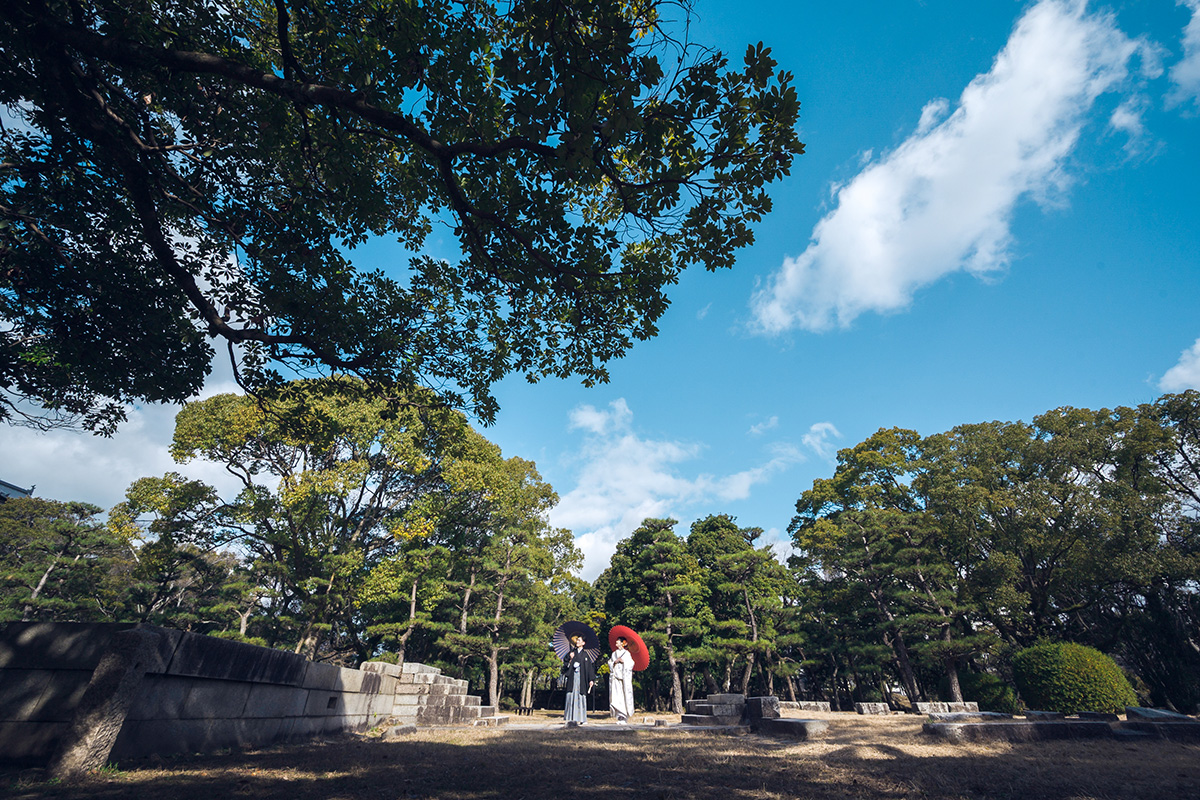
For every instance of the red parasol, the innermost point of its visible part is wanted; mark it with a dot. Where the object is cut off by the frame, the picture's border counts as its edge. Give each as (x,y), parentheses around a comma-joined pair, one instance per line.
(633,643)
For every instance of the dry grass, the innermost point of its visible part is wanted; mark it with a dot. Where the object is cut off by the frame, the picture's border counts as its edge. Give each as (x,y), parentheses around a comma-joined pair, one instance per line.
(862,757)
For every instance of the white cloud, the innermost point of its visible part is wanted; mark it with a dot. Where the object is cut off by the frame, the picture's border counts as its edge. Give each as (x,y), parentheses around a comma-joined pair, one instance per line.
(623,478)
(1186,73)
(763,427)
(942,201)
(75,465)
(1184,375)
(818,438)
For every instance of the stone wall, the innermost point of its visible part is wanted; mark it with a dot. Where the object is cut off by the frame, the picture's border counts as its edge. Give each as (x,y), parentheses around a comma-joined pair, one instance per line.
(76,695)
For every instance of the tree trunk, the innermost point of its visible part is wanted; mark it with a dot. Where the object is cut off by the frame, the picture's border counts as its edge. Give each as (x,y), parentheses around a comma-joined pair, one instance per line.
(28,613)
(494,677)
(527,689)
(952,670)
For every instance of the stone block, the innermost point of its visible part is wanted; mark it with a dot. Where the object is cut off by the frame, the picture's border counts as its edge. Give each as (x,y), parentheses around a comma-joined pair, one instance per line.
(21,692)
(301,728)
(966,716)
(1044,716)
(216,700)
(24,743)
(55,645)
(413,667)
(803,729)
(324,704)
(724,709)
(382,668)
(356,702)
(1183,730)
(161,697)
(210,657)
(166,737)
(416,677)
(397,731)
(61,698)
(735,699)
(804,705)
(269,700)
(710,720)
(763,707)
(872,708)
(321,676)
(1018,731)
(1155,714)
(694,705)
(1099,715)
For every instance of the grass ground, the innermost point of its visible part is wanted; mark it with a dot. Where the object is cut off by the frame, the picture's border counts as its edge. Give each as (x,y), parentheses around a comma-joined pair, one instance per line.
(861,757)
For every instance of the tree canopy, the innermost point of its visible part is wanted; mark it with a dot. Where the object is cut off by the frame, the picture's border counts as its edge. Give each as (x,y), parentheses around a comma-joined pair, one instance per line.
(175,175)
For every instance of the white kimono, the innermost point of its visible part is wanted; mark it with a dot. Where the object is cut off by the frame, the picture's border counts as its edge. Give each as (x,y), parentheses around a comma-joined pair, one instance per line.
(620,685)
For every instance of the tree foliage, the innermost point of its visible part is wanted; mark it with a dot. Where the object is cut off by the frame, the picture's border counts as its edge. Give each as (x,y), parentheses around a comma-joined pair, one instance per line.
(179,174)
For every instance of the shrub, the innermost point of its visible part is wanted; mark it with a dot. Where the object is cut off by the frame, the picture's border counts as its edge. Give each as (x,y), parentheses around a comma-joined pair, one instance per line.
(984,688)
(1069,677)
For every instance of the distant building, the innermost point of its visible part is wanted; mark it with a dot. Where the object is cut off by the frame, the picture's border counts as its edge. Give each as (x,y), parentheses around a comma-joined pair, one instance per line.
(9,490)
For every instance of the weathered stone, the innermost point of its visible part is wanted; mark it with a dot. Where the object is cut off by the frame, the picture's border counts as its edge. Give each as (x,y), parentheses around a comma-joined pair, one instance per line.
(20,692)
(792,728)
(762,707)
(268,700)
(29,742)
(1045,715)
(382,668)
(872,708)
(224,659)
(967,716)
(734,699)
(1184,730)
(1018,731)
(804,705)
(710,720)
(1155,714)
(1099,715)
(397,731)
(946,708)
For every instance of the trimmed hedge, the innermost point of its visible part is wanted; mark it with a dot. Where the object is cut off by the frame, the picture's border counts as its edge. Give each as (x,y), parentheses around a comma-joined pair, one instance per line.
(1069,677)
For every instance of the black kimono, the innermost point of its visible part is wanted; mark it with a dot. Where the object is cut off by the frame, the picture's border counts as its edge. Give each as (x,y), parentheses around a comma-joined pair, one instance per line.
(580,674)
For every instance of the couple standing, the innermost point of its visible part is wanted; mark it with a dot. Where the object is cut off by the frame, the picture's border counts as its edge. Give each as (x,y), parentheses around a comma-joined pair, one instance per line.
(581,676)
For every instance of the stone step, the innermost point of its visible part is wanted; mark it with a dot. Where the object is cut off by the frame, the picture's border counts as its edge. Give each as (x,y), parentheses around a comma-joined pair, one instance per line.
(429,689)
(733,699)
(491,721)
(710,720)
(401,703)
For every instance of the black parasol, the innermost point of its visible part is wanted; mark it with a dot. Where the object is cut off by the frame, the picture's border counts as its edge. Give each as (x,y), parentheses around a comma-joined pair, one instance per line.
(561,642)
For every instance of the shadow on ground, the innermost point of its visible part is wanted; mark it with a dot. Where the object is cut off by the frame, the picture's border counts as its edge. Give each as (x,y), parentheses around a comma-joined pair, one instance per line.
(599,764)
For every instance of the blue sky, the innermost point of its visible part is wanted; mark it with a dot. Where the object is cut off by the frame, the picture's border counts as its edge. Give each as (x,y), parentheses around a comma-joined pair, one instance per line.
(996,216)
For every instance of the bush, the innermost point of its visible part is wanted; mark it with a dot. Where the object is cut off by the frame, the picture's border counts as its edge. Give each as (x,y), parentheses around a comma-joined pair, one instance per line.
(1069,677)
(984,688)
